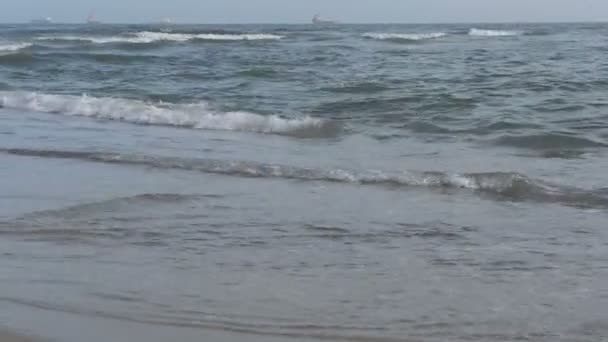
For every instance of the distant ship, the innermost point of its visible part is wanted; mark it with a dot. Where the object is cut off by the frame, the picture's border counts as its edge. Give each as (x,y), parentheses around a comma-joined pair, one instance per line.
(91,20)
(46,20)
(317,20)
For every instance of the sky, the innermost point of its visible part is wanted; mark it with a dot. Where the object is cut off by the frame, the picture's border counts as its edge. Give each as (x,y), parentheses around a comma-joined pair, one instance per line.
(300,11)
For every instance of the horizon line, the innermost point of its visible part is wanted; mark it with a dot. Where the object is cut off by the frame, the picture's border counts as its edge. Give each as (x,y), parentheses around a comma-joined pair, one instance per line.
(594,21)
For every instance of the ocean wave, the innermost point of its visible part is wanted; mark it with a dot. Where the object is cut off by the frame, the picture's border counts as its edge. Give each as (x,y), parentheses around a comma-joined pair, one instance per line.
(151,37)
(363,87)
(549,141)
(160,36)
(106,57)
(404,36)
(16,58)
(97,40)
(493,33)
(509,186)
(193,115)
(114,205)
(420,126)
(13,47)
(258,72)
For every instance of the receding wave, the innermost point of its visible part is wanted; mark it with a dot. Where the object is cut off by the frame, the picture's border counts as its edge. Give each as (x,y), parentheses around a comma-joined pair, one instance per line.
(13,47)
(65,223)
(193,115)
(242,324)
(151,37)
(493,33)
(502,185)
(115,204)
(404,36)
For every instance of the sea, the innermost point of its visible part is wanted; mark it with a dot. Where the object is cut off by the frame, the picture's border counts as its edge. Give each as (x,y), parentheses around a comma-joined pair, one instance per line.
(304,183)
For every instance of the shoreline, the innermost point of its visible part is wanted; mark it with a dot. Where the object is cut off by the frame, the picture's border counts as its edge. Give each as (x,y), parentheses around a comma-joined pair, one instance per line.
(10,336)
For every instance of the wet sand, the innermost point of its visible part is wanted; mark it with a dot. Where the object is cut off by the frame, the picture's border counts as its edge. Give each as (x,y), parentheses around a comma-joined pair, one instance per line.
(58,326)
(6,336)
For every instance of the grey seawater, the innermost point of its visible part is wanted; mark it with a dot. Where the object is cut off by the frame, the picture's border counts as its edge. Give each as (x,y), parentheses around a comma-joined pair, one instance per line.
(348,183)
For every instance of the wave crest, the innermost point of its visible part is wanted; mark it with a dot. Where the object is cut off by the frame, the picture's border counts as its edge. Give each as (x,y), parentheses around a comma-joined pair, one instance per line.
(510,186)
(194,115)
(145,37)
(493,33)
(404,36)
(13,47)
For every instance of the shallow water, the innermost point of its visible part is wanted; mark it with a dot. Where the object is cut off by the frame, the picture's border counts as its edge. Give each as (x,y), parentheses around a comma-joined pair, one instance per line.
(375,182)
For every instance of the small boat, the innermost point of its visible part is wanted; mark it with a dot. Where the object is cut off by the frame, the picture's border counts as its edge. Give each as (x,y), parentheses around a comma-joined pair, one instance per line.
(317,20)
(45,21)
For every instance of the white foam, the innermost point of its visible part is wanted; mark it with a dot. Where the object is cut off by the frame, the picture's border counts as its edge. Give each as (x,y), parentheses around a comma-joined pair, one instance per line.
(12,47)
(404,36)
(462,181)
(256,36)
(493,33)
(195,115)
(151,37)
(180,37)
(99,40)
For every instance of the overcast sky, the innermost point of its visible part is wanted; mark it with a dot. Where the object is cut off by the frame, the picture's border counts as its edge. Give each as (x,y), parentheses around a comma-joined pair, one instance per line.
(294,11)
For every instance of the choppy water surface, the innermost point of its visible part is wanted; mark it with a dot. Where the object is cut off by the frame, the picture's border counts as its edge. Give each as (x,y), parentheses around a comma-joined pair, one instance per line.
(365,183)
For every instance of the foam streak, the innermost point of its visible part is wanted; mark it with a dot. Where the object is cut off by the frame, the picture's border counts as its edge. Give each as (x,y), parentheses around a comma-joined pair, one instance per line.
(493,33)
(12,47)
(404,36)
(501,185)
(151,37)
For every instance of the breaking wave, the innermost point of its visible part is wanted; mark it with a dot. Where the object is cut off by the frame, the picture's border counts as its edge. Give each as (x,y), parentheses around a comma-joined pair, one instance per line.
(151,37)
(502,185)
(404,36)
(13,47)
(493,33)
(194,115)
